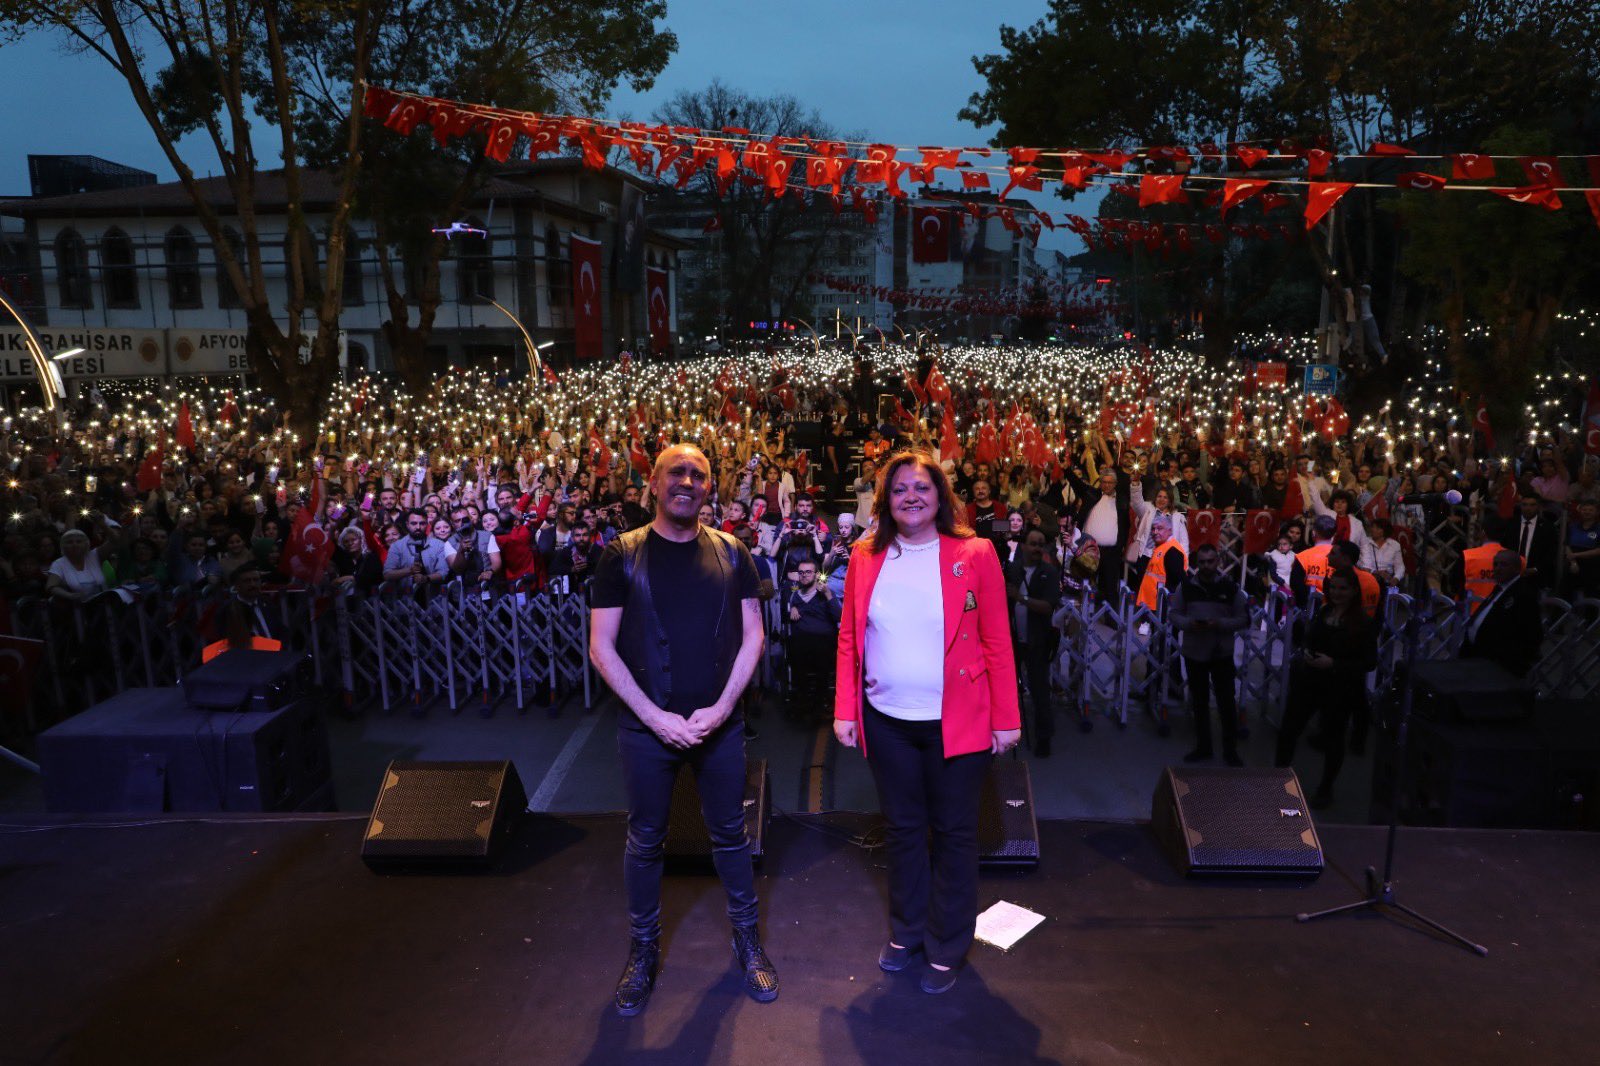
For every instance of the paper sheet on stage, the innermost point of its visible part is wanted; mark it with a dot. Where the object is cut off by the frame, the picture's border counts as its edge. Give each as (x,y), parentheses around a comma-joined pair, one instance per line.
(1006,923)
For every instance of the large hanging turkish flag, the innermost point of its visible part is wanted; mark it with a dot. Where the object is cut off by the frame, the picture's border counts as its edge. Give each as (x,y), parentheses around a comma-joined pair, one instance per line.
(586,330)
(930,240)
(658,309)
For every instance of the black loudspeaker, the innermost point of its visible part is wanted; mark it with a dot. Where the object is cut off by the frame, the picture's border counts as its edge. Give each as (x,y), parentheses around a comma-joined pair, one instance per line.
(689,845)
(1220,821)
(1008,830)
(442,815)
(266,680)
(1537,774)
(1470,690)
(146,750)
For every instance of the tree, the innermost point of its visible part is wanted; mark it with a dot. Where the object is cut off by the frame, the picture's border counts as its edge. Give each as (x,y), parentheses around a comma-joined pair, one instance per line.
(1439,76)
(766,244)
(214,68)
(563,56)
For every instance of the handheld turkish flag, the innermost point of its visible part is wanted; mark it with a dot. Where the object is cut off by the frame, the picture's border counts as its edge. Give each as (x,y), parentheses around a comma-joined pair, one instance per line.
(309,547)
(1260,530)
(184,434)
(1591,420)
(586,329)
(1481,423)
(949,443)
(1145,431)
(1471,166)
(1294,504)
(1507,503)
(930,238)
(1205,527)
(1335,420)
(938,388)
(658,309)
(1377,507)
(637,458)
(149,477)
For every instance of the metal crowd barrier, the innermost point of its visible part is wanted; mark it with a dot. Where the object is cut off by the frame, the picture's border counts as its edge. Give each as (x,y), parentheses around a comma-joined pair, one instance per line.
(387,649)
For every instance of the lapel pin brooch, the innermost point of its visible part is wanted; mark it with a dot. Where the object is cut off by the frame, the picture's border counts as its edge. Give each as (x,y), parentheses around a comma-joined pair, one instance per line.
(958,569)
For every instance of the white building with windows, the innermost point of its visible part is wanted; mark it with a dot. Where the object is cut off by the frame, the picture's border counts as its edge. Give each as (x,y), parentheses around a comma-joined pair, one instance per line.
(131,272)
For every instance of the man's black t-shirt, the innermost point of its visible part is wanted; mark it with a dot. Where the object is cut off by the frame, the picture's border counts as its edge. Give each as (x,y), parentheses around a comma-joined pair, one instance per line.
(687,590)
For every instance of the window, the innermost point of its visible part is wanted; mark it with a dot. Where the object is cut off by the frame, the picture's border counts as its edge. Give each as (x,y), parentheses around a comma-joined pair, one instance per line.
(72,270)
(117,270)
(183,269)
(474,267)
(227,295)
(557,270)
(354,290)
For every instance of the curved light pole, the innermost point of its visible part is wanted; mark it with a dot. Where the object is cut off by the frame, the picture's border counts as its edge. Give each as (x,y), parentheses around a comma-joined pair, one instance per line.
(49,374)
(533,349)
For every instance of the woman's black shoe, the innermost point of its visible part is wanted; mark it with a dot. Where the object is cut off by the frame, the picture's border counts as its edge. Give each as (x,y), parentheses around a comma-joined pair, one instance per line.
(935,981)
(760,976)
(638,977)
(892,959)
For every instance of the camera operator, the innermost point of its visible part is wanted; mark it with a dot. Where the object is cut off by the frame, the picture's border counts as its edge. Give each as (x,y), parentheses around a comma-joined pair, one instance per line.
(804,537)
(576,562)
(416,559)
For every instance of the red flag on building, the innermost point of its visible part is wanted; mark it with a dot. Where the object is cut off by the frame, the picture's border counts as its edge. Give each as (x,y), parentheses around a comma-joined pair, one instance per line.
(930,236)
(586,328)
(184,434)
(658,309)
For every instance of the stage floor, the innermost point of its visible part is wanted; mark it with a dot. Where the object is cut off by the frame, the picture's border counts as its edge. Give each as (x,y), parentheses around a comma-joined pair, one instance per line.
(265,940)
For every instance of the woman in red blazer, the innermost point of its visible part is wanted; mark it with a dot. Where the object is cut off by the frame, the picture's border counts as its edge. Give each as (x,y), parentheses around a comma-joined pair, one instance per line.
(927,686)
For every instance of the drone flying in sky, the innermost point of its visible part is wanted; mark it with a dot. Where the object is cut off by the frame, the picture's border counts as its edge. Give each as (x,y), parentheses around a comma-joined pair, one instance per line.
(460,229)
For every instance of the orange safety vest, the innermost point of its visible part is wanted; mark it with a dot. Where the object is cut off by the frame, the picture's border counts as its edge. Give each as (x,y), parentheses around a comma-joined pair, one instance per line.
(1477,567)
(1314,561)
(1371,591)
(1155,574)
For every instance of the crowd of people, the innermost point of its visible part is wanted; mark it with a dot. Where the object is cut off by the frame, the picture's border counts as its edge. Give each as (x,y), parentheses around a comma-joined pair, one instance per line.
(1086,467)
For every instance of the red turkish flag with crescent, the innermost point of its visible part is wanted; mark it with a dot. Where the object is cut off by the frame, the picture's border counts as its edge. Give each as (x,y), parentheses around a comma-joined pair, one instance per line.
(1205,527)
(658,309)
(309,547)
(1260,531)
(586,329)
(1480,422)
(930,238)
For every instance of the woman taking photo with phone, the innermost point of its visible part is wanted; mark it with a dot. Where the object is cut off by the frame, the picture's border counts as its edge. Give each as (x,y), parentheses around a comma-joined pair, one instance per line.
(921,591)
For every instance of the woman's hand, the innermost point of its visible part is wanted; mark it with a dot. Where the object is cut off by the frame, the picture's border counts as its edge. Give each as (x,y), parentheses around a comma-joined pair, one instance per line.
(845,731)
(1004,740)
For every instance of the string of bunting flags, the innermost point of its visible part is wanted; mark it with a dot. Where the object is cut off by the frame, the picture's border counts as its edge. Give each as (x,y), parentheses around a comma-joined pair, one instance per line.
(866,173)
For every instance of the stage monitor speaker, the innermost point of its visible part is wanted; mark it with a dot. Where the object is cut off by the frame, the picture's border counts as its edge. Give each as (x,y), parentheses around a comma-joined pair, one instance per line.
(1008,830)
(1470,690)
(442,815)
(266,680)
(1220,821)
(145,749)
(689,845)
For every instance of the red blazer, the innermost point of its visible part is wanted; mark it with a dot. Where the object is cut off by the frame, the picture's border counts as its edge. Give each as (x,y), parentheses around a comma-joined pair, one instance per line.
(980,675)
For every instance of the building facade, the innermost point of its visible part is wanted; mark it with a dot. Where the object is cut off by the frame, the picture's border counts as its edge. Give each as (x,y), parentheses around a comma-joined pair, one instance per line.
(131,273)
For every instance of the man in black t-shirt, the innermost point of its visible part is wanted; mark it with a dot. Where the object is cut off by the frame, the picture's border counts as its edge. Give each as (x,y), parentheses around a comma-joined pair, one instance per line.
(676,632)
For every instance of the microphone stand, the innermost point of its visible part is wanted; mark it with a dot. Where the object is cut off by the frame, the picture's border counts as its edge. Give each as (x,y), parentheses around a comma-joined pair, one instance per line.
(1380,893)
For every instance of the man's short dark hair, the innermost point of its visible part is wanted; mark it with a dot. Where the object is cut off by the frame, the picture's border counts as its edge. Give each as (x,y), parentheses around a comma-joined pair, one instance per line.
(242,570)
(1205,549)
(1348,549)
(419,512)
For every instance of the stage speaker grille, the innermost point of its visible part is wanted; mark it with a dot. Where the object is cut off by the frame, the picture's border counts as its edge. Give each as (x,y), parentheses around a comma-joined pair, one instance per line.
(1221,821)
(689,845)
(1008,829)
(431,814)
